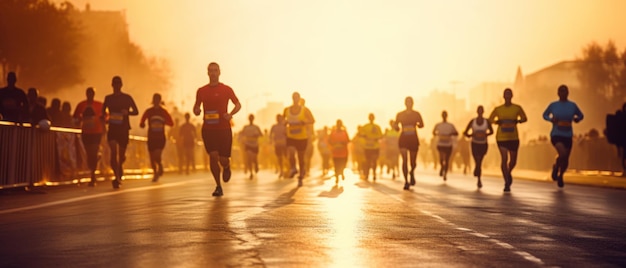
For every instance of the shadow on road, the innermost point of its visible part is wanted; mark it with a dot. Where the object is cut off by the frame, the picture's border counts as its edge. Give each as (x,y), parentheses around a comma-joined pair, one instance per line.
(283,199)
(333,193)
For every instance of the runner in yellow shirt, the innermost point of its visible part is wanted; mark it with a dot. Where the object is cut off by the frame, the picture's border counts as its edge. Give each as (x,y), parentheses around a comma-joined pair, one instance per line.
(507,116)
(371,134)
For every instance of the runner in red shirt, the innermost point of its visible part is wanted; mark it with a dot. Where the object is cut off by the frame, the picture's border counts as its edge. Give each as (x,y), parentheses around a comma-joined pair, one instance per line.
(216,129)
(157,118)
(88,114)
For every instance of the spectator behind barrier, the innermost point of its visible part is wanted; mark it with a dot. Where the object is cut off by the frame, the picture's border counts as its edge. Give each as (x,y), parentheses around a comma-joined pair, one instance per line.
(616,133)
(13,101)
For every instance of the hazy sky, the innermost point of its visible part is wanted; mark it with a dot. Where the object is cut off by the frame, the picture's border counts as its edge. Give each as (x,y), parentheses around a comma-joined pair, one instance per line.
(369,54)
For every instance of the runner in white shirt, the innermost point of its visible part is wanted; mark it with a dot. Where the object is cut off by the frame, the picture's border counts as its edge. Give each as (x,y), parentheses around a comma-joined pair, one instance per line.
(481,129)
(446,134)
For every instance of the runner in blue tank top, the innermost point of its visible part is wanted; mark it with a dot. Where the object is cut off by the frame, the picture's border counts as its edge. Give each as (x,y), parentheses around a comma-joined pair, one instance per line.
(561,113)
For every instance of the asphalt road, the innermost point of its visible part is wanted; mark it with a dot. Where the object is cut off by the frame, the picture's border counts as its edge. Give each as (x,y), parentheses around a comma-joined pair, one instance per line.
(271,222)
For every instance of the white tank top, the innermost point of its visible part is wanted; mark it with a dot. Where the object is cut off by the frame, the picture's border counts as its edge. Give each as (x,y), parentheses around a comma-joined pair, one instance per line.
(479,132)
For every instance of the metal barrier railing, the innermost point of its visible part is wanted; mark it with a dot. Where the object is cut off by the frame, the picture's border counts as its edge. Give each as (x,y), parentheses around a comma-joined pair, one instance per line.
(31,156)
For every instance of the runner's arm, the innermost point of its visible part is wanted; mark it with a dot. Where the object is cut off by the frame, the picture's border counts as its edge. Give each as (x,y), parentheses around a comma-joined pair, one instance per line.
(466,132)
(489,127)
(578,115)
(522,116)
(133,107)
(547,112)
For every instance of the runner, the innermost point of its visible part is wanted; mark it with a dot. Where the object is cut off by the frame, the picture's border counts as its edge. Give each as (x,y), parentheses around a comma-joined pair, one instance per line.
(481,129)
(186,145)
(299,119)
(446,134)
(508,116)
(119,106)
(216,129)
(88,114)
(561,113)
(324,149)
(157,118)
(392,151)
(278,136)
(408,142)
(250,135)
(372,134)
(338,141)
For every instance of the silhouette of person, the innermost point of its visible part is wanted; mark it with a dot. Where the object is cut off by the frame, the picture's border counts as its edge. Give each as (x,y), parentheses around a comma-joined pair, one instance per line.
(65,117)
(615,133)
(119,106)
(88,114)
(157,117)
(278,136)
(324,149)
(299,119)
(481,129)
(250,135)
(408,142)
(216,129)
(338,141)
(13,101)
(372,133)
(36,111)
(507,116)
(446,134)
(186,143)
(392,151)
(54,111)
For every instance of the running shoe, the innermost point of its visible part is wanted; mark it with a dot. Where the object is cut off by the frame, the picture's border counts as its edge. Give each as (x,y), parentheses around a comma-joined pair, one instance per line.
(555,171)
(292,173)
(299,182)
(507,189)
(560,182)
(479,184)
(407,186)
(218,191)
(116,184)
(412,179)
(226,174)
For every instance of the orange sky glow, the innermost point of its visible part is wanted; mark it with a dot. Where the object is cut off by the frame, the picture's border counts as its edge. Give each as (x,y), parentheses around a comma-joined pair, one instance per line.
(351,57)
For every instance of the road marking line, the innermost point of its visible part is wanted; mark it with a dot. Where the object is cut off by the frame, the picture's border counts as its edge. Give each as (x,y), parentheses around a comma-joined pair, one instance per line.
(76,199)
(523,254)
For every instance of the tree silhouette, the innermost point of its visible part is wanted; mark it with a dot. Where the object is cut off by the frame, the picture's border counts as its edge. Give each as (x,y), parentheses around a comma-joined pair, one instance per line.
(38,40)
(602,75)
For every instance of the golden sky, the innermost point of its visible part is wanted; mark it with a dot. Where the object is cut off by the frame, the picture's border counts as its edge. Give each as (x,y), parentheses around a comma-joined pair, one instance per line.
(367,54)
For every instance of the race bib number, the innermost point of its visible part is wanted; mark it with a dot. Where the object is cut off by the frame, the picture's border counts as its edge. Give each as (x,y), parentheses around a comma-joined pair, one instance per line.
(445,138)
(408,130)
(157,127)
(479,135)
(508,125)
(564,125)
(116,118)
(211,117)
(295,130)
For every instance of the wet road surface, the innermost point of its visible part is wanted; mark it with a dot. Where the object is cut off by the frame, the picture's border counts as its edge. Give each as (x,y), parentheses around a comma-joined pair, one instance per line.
(356,223)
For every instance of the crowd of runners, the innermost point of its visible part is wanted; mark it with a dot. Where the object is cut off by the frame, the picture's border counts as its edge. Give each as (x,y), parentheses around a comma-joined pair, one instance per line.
(292,138)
